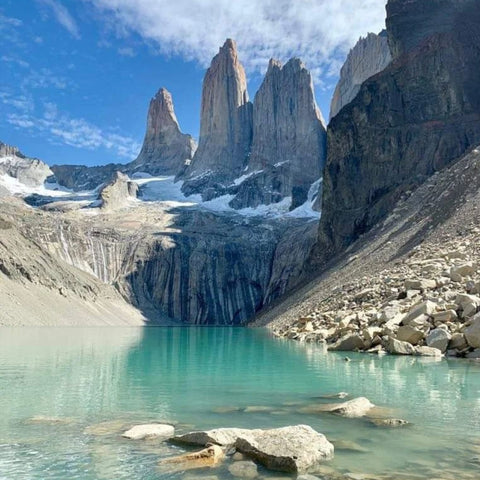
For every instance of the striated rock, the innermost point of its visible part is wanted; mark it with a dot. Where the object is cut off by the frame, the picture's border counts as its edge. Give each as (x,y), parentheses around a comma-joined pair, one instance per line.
(220,436)
(369,56)
(289,139)
(225,122)
(208,457)
(29,171)
(166,150)
(118,193)
(139,432)
(412,119)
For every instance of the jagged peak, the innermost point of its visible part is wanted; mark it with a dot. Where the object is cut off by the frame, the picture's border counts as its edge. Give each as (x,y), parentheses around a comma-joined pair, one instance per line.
(273,63)
(295,64)
(164,103)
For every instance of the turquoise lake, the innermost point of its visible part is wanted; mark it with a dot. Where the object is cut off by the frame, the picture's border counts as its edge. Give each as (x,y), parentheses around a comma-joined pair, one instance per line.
(66,395)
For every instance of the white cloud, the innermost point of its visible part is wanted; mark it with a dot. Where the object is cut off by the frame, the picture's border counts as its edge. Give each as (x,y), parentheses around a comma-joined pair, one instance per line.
(75,132)
(44,78)
(318,31)
(63,17)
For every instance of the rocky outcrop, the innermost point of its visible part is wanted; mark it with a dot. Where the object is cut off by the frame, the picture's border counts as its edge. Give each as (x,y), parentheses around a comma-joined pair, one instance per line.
(369,56)
(81,177)
(29,171)
(118,193)
(166,150)
(225,123)
(414,118)
(289,139)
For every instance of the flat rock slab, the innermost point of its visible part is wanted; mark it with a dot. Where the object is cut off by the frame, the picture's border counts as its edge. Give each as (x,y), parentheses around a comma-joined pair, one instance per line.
(288,449)
(139,432)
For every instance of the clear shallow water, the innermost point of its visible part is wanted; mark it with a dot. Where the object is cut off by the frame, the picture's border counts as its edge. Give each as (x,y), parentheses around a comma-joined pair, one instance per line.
(87,376)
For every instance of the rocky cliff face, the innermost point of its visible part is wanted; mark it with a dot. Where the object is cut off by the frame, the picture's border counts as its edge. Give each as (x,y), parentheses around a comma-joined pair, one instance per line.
(412,119)
(190,266)
(29,171)
(369,56)
(165,148)
(225,122)
(80,177)
(289,138)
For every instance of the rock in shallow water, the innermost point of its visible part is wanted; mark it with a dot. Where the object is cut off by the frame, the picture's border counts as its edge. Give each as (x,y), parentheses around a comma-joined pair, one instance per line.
(243,469)
(288,449)
(139,432)
(208,457)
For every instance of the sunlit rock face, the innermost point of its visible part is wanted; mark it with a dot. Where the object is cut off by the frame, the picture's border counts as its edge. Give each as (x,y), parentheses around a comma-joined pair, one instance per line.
(289,139)
(225,122)
(407,122)
(368,57)
(29,171)
(165,149)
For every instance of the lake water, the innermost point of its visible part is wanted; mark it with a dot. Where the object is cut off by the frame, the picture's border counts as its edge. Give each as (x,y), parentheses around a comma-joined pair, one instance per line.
(66,394)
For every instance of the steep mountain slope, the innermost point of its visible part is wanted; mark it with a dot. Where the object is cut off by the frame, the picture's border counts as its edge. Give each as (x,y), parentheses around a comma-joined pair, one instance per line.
(39,288)
(411,120)
(429,231)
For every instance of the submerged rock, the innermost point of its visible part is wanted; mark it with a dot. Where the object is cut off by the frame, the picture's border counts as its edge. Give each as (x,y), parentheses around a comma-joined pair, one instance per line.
(243,469)
(389,422)
(357,407)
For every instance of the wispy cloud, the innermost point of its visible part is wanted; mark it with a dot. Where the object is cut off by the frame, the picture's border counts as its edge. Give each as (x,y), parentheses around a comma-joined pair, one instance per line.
(63,17)
(8,22)
(44,78)
(75,132)
(319,31)
(126,52)
(18,61)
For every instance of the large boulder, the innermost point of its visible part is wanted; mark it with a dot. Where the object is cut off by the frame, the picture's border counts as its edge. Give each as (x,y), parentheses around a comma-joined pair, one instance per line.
(472,332)
(397,347)
(288,449)
(348,343)
(438,338)
(409,334)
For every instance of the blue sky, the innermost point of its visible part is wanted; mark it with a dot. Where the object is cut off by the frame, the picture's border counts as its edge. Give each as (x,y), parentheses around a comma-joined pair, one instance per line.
(77,75)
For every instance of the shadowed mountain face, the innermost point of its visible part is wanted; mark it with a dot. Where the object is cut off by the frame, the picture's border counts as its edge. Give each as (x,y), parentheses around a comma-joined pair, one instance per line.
(414,118)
